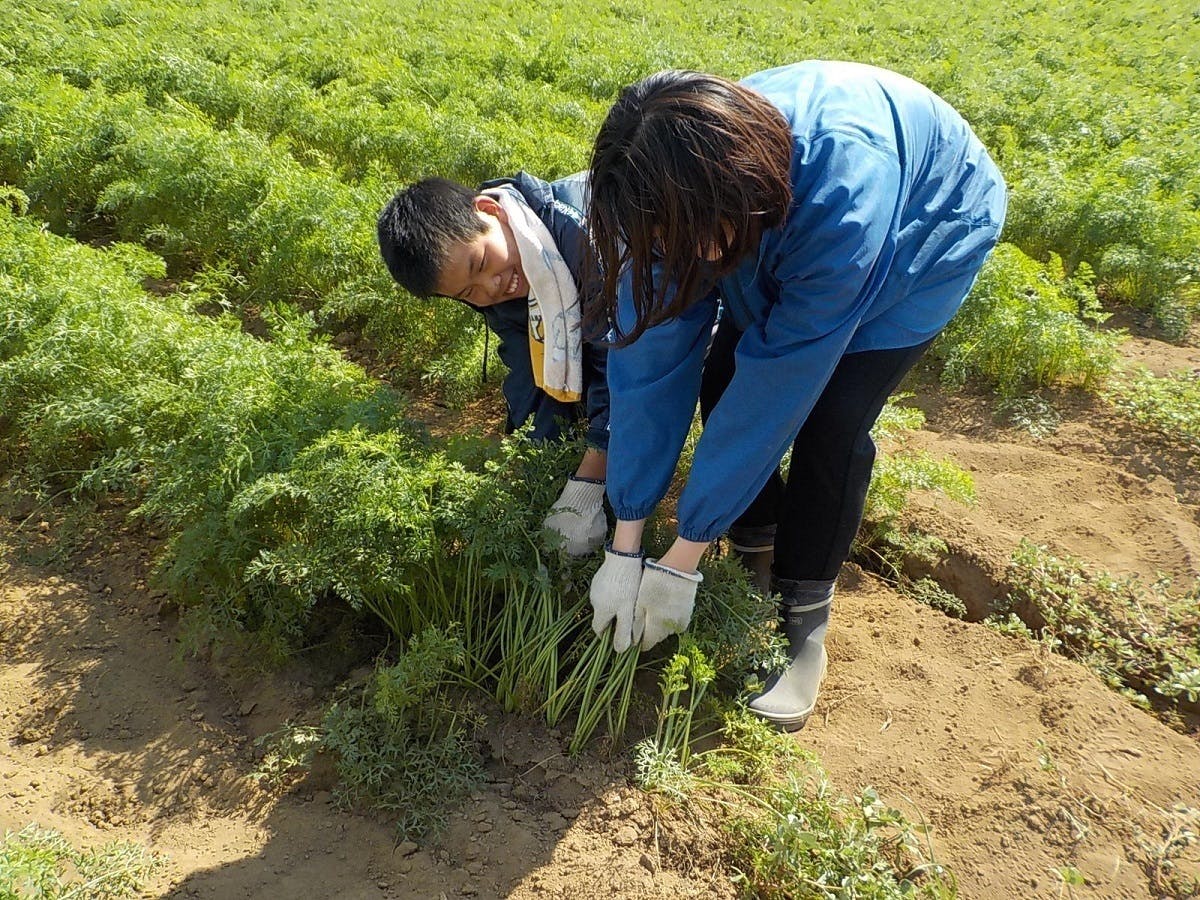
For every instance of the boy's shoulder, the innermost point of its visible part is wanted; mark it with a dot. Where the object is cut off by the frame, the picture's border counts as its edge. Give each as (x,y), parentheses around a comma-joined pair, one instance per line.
(566,195)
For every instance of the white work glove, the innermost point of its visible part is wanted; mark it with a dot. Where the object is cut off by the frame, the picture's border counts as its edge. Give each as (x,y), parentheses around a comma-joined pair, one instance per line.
(665,602)
(614,593)
(578,516)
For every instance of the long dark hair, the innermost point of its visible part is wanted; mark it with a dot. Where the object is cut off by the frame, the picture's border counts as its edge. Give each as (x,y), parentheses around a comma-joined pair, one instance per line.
(684,164)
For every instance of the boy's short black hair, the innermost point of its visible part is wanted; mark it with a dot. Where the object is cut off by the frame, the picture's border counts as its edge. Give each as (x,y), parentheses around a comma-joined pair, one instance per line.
(420,225)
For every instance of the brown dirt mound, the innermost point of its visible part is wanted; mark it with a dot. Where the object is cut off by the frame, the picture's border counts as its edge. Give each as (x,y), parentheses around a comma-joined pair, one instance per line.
(107,735)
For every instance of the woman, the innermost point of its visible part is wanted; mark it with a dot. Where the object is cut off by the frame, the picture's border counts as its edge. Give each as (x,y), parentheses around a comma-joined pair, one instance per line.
(838,214)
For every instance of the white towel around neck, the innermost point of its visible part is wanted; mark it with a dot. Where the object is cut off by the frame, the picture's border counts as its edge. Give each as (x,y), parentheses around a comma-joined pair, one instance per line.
(555,319)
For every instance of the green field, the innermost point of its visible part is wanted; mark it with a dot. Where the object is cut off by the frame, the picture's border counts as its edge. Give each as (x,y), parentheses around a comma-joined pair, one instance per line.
(178,178)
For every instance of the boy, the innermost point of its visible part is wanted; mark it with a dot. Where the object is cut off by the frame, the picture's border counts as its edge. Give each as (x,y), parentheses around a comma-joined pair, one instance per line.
(516,251)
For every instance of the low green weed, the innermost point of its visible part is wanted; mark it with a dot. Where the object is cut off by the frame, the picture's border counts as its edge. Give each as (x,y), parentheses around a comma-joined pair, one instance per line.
(813,843)
(1032,414)
(1163,850)
(791,834)
(1168,405)
(286,753)
(932,594)
(40,864)
(1141,639)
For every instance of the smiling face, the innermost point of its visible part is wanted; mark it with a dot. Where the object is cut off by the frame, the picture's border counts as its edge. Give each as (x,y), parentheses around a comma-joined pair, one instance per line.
(485,270)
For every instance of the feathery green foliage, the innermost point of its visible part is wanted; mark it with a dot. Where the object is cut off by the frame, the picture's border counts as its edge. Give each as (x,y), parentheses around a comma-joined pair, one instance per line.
(404,745)
(270,142)
(1028,324)
(883,541)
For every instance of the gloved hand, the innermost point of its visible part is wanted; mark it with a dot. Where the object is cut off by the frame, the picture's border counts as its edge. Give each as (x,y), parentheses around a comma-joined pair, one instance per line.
(614,593)
(665,602)
(578,516)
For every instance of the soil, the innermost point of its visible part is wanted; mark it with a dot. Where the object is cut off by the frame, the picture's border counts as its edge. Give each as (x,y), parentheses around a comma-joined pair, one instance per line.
(1021,762)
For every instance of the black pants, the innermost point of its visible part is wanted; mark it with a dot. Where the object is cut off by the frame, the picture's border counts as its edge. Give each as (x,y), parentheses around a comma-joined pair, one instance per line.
(820,506)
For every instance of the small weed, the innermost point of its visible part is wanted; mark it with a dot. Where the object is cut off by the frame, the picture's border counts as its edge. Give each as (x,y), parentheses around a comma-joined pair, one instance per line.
(791,837)
(1181,831)
(1141,639)
(1032,414)
(1045,757)
(287,752)
(812,843)
(1170,405)
(932,594)
(39,864)
(1069,878)
(1011,624)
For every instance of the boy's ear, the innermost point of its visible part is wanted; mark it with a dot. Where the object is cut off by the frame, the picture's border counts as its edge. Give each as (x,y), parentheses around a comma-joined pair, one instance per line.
(489,207)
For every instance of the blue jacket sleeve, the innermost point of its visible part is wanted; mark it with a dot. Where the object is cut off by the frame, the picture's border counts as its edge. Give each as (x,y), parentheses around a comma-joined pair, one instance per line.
(834,254)
(653,383)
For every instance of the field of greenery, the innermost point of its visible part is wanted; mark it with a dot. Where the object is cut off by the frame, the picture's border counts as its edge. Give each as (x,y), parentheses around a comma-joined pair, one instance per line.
(172,170)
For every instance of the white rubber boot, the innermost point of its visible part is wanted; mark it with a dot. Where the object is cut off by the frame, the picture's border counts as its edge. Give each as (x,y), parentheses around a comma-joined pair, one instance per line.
(788,698)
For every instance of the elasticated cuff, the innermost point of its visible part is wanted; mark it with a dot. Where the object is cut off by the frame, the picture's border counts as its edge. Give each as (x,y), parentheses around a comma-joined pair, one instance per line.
(701,537)
(608,548)
(597,439)
(633,513)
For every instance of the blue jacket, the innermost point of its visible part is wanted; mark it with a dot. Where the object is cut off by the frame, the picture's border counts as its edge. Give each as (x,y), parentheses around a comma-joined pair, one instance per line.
(560,206)
(896,204)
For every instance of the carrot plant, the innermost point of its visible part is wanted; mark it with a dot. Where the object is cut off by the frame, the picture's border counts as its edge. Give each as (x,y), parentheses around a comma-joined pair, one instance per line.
(883,540)
(404,744)
(1026,325)
(269,143)
(285,478)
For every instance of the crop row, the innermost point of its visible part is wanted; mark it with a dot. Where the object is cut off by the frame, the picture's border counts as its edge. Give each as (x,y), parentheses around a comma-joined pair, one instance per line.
(286,478)
(265,144)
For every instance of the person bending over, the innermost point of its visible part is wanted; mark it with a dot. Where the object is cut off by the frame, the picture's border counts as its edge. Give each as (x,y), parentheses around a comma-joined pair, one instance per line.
(840,214)
(516,251)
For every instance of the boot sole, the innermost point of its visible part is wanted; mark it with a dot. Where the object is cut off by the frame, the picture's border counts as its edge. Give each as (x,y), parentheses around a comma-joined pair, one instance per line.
(795,721)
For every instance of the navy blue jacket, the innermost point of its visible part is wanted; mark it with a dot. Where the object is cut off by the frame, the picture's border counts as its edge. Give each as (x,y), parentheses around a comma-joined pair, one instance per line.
(560,206)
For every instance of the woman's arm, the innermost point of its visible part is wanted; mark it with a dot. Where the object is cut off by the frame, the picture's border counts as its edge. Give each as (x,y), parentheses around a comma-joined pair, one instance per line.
(653,385)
